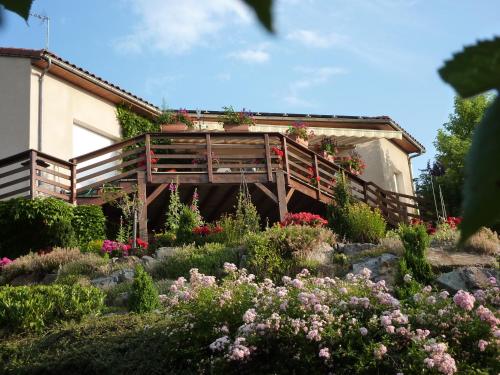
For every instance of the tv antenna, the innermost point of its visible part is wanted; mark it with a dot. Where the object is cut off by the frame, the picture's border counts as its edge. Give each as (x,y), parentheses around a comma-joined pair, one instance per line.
(47,30)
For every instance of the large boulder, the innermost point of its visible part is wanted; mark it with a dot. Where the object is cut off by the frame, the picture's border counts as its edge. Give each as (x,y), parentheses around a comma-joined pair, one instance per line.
(467,278)
(382,267)
(321,253)
(117,277)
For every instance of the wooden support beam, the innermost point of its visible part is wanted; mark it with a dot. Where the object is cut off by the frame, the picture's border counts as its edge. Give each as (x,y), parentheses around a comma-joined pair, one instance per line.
(284,146)
(33,172)
(142,195)
(268,158)
(267,192)
(281,188)
(289,195)
(147,142)
(73,184)
(155,194)
(210,168)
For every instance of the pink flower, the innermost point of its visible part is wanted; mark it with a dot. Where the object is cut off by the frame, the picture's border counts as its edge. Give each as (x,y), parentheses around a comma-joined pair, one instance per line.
(380,351)
(482,344)
(363,331)
(324,353)
(230,267)
(249,316)
(465,300)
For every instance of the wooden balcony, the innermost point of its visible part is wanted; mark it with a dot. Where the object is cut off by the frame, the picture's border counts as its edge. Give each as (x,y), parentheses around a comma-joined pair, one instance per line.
(216,163)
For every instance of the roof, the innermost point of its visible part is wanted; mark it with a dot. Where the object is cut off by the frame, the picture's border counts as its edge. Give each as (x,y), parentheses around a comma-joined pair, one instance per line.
(116,94)
(83,78)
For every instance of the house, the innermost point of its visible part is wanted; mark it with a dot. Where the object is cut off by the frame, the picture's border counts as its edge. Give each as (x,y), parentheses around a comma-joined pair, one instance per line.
(61,111)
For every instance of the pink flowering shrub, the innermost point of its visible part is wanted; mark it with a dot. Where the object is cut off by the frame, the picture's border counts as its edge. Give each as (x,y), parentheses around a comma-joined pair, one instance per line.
(327,325)
(4,261)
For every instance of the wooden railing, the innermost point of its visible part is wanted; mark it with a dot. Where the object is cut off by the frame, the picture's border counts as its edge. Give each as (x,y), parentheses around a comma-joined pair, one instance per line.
(32,173)
(198,158)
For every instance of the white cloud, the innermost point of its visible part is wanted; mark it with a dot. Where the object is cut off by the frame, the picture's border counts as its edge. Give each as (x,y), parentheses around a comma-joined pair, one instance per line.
(312,77)
(311,38)
(251,55)
(176,26)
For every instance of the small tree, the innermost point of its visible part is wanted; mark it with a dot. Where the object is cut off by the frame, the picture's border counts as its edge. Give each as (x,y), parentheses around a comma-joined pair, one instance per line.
(144,295)
(415,241)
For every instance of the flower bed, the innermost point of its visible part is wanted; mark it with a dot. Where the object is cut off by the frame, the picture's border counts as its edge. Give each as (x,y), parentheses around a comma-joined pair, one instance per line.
(325,325)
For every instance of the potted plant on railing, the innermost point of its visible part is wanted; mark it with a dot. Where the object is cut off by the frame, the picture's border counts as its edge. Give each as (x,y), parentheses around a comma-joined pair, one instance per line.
(175,121)
(329,148)
(353,163)
(299,133)
(233,121)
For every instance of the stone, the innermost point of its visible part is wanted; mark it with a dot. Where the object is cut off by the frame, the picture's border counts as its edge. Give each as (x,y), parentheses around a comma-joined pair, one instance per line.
(49,278)
(129,262)
(123,275)
(351,249)
(149,262)
(104,282)
(467,278)
(382,267)
(321,253)
(121,300)
(165,252)
(28,279)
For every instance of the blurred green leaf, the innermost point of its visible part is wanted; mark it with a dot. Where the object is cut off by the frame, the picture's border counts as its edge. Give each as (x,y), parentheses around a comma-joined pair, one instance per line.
(21,7)
(474,70)
(263,10)
(481,205)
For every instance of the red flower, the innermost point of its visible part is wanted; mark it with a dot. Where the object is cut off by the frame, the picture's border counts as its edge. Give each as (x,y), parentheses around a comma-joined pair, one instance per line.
(303,218)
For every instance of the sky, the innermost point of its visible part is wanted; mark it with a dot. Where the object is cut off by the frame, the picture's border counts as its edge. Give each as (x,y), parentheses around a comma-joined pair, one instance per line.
(335,57)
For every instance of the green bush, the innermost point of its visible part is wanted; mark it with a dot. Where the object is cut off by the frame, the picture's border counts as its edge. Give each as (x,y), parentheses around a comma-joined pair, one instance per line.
(415,241)
(89,224)
(365,224)
(143,294)
(208,258)
(284,250)
(35,307)
(188,220)
(43,223)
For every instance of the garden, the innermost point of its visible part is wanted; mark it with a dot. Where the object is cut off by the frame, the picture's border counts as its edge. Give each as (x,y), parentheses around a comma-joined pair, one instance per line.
(340,294)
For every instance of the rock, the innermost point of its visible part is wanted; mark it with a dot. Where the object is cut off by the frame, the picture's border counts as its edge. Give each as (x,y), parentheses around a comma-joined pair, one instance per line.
(467,278)
(351,249)
(121,300)
(49,278)
(149,262)
(321,253)
(123,275)
(439,258)
(28,279)
(104,282)
(129,262)
(383,267)
(164,252)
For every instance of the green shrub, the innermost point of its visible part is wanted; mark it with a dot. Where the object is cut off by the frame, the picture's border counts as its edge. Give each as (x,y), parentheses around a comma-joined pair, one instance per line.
(35,307)
(89,224)
(94,247)
(208,258)
(188,220)
(143,294)
(415,242)
(284,250)
(364,224)
(114,291)
(34,225)
(89,264)
(39,264)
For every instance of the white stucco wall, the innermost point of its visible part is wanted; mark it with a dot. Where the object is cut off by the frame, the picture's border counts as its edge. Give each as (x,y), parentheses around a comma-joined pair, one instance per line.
(384,159)
(63,106)
(14,104)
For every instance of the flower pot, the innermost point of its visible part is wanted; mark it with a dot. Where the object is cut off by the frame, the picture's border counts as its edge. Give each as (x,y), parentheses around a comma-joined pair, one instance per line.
(299,140)
(236,127)
(177,127)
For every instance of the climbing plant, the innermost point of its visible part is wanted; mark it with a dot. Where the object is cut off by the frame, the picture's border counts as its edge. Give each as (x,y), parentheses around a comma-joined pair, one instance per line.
(133,124)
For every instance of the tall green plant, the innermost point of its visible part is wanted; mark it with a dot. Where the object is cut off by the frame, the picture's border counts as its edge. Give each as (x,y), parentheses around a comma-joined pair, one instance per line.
(174,209)
(144,295)
(415,241)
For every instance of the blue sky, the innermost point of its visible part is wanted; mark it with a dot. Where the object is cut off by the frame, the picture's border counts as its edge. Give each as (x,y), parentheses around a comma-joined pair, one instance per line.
(343,57)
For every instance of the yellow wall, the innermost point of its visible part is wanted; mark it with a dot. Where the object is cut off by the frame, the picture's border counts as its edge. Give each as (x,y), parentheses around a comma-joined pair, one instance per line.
(64,105)
(14,104)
